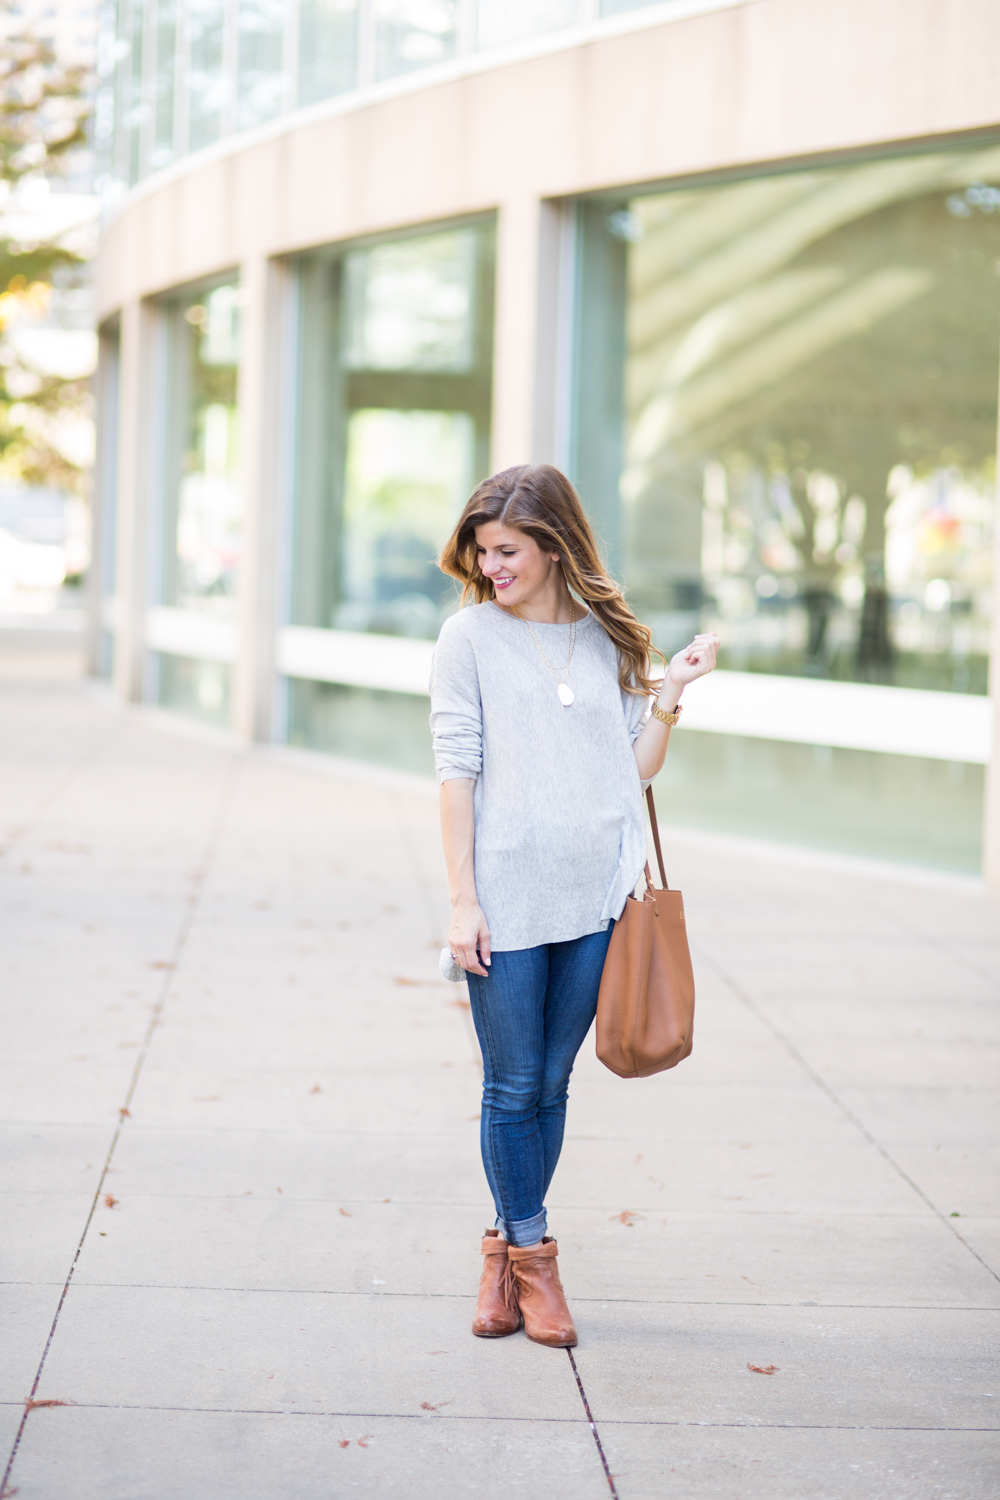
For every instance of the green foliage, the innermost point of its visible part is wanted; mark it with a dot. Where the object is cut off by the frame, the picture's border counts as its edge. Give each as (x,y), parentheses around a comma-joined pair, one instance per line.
(21,266)
(43,109)
(43,117)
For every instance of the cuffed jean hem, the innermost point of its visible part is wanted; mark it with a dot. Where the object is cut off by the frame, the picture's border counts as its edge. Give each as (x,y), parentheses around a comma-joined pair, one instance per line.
(524,1231)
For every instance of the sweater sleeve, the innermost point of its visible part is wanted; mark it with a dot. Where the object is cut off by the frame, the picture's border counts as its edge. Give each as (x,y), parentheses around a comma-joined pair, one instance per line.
(637,710)
(456,707)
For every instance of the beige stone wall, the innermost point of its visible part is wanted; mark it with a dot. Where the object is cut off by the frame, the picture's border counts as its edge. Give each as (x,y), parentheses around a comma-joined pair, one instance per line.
(756,83)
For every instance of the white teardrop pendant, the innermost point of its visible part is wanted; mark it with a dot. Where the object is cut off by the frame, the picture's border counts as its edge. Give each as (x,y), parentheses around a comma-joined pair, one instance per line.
(565,694)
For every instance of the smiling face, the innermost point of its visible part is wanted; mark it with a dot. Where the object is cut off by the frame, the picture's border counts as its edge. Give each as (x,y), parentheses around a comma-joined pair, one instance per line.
(518,569)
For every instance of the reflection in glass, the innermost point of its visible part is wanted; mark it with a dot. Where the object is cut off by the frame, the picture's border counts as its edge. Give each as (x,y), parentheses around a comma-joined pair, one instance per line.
(105,494)
(501,21)
(619,7)
(364,724)
(203,536)
(897,807)
(396,385)
(164,84)
(132,108)
(260,91)
(408,474)
(412,34)
(810,405)
(408,304)
(202,689)
(207,85)
(328,48)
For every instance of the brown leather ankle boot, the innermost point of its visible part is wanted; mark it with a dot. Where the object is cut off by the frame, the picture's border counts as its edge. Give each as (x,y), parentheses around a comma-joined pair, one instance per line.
(497,1312)
(540,1294)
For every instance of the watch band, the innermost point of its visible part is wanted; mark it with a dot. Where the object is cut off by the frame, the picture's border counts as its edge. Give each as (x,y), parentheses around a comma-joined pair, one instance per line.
(669,719)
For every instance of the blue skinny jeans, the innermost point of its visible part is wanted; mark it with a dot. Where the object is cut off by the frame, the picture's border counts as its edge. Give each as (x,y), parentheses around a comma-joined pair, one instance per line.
(531,1016)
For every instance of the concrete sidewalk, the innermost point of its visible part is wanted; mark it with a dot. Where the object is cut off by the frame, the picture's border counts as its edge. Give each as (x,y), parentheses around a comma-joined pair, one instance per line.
(242,1197)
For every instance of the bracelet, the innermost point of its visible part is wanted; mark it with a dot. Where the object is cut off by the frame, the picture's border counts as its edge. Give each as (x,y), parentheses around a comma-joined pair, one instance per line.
(669,719)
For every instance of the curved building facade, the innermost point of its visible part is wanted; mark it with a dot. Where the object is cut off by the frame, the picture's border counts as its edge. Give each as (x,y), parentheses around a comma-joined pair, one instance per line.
(735,267)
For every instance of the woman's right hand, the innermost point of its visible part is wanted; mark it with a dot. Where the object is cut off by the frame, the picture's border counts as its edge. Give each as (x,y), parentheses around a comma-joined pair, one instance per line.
(467,933)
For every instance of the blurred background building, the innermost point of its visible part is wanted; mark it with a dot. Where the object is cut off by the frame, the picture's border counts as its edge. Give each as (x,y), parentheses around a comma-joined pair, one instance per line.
(733,264)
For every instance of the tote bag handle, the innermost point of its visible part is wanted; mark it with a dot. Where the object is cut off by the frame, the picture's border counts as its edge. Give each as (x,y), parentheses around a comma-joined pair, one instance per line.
(656,836)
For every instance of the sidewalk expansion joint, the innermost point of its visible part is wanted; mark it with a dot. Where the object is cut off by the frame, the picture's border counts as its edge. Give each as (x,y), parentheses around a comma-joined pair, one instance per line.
(534,1421)
(189,913)
(835,1099)
(593,1426)
(326,1291)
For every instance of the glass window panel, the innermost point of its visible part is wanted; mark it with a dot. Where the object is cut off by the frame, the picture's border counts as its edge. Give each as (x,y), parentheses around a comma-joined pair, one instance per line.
(105,515)
(204,512)
(408,474)
(619,7)
(389,729)
(413,34)
(105,121)
(396,343)
(810,406)
(132,106)
(261,80)
(164,84)
(328,48)
(408,305)
(897,807)
(202,689)
(501,21)
(207,85)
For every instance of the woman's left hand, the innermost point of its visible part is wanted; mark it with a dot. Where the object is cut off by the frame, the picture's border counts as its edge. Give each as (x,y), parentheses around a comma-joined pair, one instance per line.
(694,661)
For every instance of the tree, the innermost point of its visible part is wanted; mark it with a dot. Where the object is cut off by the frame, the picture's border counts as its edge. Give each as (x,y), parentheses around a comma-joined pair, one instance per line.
(43,119)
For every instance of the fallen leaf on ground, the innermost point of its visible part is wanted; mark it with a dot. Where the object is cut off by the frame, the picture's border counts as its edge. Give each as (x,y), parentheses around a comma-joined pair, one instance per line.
(345,1442)
(763,1369)
(161,963)
(363,1442)
(315,1089)
(346,1214)
(277,1190)
(462,1004)
(401,979)
(626,1217)
(110,1201)
(126,1114)
(30,1405)
(428,1406)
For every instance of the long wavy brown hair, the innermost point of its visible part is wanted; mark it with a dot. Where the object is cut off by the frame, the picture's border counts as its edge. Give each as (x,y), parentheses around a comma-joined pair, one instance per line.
(539,500)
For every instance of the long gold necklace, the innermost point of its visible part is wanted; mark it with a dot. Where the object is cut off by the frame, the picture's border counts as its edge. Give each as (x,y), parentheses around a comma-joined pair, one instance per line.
(563,688)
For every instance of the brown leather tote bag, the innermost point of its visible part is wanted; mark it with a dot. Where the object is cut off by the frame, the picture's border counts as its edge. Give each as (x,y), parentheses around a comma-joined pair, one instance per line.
(645,1008)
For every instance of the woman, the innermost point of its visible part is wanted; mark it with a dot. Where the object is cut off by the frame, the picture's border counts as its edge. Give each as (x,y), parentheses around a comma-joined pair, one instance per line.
(543,737)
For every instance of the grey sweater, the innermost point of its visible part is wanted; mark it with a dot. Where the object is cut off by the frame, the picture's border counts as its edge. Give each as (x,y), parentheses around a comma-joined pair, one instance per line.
(560,830)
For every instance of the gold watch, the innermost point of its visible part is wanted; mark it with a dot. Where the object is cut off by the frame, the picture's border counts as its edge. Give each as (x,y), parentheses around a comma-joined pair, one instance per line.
(669,719)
